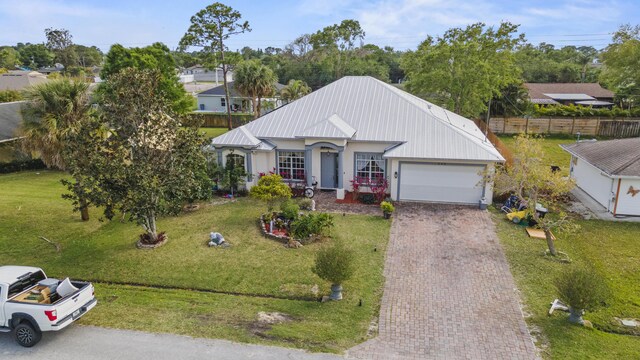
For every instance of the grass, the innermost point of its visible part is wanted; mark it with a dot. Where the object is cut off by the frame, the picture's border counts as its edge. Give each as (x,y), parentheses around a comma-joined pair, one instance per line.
(213,132)
(554,153)
(610,248)
(30,206)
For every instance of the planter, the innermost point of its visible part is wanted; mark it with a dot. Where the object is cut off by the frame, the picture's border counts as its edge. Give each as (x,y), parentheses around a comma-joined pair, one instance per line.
(387,215)
(266,231)
(336,292)
(575,316)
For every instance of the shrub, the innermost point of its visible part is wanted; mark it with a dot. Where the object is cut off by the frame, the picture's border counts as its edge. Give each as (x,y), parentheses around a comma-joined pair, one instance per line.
(10,95)
(582,289)
(387,207)
(290,210)
(305,203)
(15,166)
(271,188)
(334,263)
(367,198)
(311,224)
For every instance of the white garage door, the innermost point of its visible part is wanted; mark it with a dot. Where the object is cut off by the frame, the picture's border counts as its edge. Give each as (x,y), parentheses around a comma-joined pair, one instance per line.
(441,183)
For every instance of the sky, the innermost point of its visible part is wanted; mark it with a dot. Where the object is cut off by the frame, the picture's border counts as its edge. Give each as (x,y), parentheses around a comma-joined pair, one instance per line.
(402,24)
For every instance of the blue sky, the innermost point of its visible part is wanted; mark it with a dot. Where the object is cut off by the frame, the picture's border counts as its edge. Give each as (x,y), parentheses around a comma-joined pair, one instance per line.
(398,23)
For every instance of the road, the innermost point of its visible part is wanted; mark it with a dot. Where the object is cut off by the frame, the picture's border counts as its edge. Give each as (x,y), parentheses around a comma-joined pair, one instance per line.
(88,343)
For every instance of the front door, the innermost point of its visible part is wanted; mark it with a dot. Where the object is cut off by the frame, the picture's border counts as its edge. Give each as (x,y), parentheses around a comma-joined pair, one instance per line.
(329,170)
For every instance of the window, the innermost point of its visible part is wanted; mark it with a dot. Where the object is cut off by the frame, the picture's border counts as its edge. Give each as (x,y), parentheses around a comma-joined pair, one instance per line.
(370,166)
(291,165)
(236,159)
(223,102)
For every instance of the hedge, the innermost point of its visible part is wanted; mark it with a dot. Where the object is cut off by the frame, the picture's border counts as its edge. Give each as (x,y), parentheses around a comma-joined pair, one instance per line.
(584,111)
(16,166)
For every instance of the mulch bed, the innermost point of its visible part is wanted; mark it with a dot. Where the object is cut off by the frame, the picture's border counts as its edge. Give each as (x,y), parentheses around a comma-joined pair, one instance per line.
(326,201)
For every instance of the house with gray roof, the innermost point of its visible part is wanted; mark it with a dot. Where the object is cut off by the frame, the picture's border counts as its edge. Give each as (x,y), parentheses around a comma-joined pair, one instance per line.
(214,100)
(361,127)
(20,80)
(609,172)
(585,94)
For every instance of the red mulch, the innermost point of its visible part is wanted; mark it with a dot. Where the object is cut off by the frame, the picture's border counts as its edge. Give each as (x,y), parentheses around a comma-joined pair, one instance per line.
(349,199)
(276,231)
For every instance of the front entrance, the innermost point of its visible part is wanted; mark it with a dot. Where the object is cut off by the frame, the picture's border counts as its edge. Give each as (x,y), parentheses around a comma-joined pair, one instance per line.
(329,170)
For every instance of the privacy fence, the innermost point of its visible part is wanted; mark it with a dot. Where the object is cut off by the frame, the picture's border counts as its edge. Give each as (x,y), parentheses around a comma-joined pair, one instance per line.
(609,127)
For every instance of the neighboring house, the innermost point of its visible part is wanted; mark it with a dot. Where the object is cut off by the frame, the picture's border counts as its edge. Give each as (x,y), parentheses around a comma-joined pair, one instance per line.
(21,80)
(213,100)
(586,94)
(360,126)
(201,73)
(10,120)
(56,68)
(609,172)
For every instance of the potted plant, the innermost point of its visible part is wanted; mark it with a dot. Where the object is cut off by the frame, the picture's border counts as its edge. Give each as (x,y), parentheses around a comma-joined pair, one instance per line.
(581,289)
(387,208)
(334,264)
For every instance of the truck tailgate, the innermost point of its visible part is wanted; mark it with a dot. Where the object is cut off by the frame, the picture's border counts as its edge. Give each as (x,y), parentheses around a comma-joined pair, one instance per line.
(72,305)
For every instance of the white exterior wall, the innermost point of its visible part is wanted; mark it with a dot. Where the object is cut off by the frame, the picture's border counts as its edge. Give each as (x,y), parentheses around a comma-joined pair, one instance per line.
(349,160)
(213,103)
(628,204)
(594,182)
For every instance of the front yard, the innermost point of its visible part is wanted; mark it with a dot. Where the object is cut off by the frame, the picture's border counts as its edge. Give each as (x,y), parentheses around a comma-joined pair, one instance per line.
(253,275)
(612,249)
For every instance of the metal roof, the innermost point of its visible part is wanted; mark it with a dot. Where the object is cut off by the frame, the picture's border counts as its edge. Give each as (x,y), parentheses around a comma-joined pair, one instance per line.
(620,157)
(377,112)
(594,103)
(569,96)
(331,128)
(21,80)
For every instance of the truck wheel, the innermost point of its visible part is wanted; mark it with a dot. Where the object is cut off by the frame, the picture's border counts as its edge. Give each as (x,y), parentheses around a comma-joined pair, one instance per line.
(26,335)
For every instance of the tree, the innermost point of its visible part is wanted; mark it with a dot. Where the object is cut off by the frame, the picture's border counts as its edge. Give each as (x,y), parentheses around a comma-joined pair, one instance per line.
(210,28)
(582,289)
(9,58)
(534,182)
(153,57)
(621,65)
(60,41)
(294,90)
(464,68)
(271,188)
(88,56)
(149,165)
(337,41)
(255,81)
(335,263)
(35,55)
(56,111)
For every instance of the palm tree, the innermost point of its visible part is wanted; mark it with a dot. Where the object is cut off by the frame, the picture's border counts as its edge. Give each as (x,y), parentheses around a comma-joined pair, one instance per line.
(294,90)
(255,81)
(55,112)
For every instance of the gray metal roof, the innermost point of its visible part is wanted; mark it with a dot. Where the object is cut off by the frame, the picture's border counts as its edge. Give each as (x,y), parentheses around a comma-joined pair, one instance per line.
(377,112)
(569,96)
(594,103)
(21,80)
(619,157)
(10,119)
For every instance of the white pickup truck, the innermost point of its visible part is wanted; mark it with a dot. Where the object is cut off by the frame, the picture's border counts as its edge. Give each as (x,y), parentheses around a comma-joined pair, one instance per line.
(30,303)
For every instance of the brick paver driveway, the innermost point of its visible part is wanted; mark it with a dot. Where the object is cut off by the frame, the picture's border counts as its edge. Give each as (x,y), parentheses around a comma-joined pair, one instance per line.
(448,292)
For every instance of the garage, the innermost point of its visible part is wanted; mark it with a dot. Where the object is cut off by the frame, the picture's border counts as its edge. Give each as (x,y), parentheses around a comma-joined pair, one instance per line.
(451,183)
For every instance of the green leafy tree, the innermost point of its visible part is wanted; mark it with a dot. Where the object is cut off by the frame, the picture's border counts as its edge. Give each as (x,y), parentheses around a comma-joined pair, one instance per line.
(534,182)
(255,81)
(88,56)
(154,57)
(9,58)
(337,43)
(60,41)
(621,66)
(464,68)
(232,176)
(56,111)
(35,55)
(335,264)
(294,90)
(149,165)
(210,28)
(270,189)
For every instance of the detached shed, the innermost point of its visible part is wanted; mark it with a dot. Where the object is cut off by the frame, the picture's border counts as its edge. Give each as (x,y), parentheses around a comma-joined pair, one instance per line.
(609,172)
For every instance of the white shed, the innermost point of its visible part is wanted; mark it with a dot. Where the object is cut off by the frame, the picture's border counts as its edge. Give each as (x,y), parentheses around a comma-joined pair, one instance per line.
(609,172)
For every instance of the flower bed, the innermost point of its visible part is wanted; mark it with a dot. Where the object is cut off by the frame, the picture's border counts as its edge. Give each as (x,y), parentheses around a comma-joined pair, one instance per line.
(277,234)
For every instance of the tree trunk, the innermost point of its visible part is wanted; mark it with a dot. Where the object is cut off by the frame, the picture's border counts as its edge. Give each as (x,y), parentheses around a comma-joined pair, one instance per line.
(550,243)
(226,86)
(259,107)
(84,210)
(254,105)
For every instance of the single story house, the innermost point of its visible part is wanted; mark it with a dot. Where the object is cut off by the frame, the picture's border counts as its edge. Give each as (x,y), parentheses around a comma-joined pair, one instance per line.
(609,172)
(586,94)
(214,100)
(202,73)
(360,126)
(20,80)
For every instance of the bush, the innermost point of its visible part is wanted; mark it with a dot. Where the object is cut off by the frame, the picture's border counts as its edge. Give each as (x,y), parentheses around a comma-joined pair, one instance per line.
(582,289)
(387,207)
(271,188)
(311,224)
(15,166)
(367,198)
(305,203)
(334,263)
(290,210)
(10,95)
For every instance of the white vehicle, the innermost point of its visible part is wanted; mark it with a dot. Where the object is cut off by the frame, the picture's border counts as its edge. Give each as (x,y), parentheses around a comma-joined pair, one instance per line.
(30,303)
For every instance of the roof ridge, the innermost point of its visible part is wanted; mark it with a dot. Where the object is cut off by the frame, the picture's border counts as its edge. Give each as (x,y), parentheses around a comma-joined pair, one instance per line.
(448,123)
(626,165)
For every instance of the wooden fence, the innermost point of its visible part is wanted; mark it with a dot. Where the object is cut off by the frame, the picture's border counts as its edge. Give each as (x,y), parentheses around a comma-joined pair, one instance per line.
(502,148)
(219,120)
(610,127)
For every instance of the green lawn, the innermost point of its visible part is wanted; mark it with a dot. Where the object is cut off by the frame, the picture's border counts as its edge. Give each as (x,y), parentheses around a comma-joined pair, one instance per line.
(213,132)
(30,206)
(554,153)
(610,248)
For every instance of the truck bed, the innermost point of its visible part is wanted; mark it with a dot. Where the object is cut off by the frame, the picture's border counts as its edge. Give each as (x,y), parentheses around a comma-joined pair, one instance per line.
(41,295)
